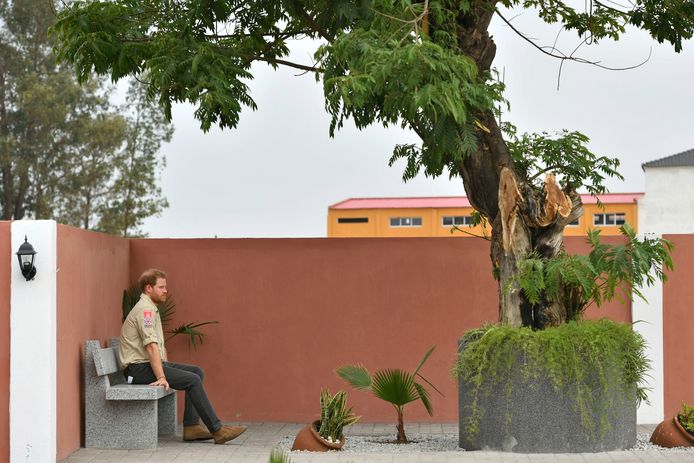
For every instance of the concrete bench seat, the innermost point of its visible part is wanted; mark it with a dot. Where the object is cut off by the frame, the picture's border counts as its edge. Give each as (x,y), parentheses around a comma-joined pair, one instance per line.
(121,415)
(136,392)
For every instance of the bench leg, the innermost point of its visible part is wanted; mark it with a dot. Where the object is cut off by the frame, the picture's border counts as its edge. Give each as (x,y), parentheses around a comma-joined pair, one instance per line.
(125,424)
(167,415)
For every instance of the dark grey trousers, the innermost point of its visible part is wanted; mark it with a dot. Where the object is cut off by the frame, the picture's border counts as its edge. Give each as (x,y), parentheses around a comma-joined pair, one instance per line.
(186,378)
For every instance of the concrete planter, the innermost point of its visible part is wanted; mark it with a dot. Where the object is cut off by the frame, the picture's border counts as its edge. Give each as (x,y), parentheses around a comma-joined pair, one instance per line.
(536,418)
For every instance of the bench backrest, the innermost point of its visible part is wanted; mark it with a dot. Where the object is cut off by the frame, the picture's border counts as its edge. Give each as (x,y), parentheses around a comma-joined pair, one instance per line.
(105,361)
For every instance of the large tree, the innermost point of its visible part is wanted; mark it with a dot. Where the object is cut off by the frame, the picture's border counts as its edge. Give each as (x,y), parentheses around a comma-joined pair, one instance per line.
(65,148)
(425,65)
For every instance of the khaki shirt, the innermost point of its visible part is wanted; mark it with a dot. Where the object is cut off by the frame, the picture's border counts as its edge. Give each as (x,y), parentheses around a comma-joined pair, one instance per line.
(141,327)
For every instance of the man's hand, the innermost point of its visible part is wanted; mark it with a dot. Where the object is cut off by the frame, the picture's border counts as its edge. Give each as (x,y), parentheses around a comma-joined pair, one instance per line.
(161,382)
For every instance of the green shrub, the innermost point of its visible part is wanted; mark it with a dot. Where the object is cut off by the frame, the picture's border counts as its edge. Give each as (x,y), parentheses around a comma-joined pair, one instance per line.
(570,356)
(334,415)
(686,418)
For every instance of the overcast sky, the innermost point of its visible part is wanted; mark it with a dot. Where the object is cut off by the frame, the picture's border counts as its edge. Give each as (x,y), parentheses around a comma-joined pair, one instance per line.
(277,173)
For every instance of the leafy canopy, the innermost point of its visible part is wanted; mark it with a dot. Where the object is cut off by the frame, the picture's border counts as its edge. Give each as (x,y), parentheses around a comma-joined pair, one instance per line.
(390,62)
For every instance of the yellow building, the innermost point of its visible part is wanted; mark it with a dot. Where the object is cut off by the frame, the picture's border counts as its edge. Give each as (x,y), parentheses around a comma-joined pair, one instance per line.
(452,216)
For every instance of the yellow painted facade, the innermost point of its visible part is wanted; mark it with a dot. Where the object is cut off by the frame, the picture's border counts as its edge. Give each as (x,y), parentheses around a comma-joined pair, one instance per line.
(344,223)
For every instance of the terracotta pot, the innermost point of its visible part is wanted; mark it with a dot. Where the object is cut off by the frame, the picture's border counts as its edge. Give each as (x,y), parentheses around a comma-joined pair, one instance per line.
(670,433)
(309,439)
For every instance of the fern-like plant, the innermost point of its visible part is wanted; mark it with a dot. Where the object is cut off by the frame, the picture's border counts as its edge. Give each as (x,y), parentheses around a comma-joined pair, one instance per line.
(574,282)
(334,415)
(395,386)
(167,309)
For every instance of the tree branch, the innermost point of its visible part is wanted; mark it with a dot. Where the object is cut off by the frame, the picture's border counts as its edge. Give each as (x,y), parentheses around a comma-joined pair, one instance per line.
(282,62)
(563,57)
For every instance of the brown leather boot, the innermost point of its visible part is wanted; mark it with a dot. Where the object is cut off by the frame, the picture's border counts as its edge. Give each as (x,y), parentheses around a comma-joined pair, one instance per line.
(196,432)
(227,433)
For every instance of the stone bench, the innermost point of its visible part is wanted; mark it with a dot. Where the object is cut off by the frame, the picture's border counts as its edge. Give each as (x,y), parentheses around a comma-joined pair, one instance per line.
(118,414)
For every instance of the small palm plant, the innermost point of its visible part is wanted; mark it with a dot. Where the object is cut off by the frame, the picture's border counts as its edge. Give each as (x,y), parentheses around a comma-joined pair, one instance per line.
(334,415)
(395,386)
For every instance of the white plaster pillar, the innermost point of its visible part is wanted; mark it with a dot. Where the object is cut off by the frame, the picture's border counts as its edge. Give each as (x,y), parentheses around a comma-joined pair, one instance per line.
(33,345)
(648,318)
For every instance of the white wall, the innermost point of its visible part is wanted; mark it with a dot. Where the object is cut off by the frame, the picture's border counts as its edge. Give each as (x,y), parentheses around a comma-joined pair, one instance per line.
(648,321)
(668,205)
(33,347)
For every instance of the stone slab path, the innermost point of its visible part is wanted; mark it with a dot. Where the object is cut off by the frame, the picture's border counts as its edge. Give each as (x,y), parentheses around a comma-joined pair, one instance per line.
(260,438)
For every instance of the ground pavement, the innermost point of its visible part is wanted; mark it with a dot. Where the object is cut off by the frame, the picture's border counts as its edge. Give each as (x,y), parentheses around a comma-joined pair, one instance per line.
(257,442)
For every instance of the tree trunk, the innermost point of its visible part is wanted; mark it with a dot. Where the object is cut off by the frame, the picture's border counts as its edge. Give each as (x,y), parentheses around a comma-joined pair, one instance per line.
(517,214)
(402,438)
(5,158)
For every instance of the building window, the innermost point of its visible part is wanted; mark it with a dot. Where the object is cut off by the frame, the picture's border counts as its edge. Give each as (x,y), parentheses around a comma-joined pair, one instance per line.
(353,220)
(609,219)
(451,220)
(405,221)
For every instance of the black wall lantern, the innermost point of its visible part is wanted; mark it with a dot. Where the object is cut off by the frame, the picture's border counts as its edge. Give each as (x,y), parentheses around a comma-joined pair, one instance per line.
(25,255)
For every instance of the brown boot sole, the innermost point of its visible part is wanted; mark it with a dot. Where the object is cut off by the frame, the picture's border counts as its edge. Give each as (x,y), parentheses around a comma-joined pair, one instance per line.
(230,438)
(197,438)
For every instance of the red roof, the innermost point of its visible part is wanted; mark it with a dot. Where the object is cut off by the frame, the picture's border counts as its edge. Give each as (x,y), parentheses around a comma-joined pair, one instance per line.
(440,202)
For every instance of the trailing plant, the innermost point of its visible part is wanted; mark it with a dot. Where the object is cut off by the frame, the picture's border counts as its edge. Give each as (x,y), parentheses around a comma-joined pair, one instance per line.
(395,386)
(574,282)
(686,418)
(573,357)
(167,309)
(334,415)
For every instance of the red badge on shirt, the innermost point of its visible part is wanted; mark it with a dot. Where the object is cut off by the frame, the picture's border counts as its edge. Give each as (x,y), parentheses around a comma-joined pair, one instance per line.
(148,319)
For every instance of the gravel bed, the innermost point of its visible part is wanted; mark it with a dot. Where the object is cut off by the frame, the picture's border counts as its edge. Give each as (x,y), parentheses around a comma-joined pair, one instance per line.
(441,443)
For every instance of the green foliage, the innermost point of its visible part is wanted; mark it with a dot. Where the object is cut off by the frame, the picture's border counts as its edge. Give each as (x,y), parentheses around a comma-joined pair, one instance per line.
(573,357)
(686,418)
(565,155)
(167,309)
(63,145)
(437,94)
(577,281)
(191,330)
(133,191)
(395,386)
(279,456)
(334,415)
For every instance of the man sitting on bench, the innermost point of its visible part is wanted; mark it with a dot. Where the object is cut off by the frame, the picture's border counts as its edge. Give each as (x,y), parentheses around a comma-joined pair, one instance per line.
(143,355)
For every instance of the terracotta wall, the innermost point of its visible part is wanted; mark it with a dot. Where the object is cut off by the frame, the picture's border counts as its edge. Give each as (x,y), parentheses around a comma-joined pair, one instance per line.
(678,326)
(92,273)
(6,256)
(292,310)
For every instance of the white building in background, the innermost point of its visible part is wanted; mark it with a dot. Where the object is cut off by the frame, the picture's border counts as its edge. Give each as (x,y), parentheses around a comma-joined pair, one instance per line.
(668,203)
(667,207)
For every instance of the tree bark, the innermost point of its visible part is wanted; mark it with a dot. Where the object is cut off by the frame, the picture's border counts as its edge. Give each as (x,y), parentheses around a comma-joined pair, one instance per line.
(517,214)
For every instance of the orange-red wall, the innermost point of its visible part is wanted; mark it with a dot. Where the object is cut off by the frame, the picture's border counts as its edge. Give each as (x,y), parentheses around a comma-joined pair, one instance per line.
(92,274)
(5,276)
(292,310)
(678,326)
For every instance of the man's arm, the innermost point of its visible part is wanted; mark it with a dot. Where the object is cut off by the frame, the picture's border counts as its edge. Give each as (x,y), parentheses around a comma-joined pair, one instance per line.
(157,367)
